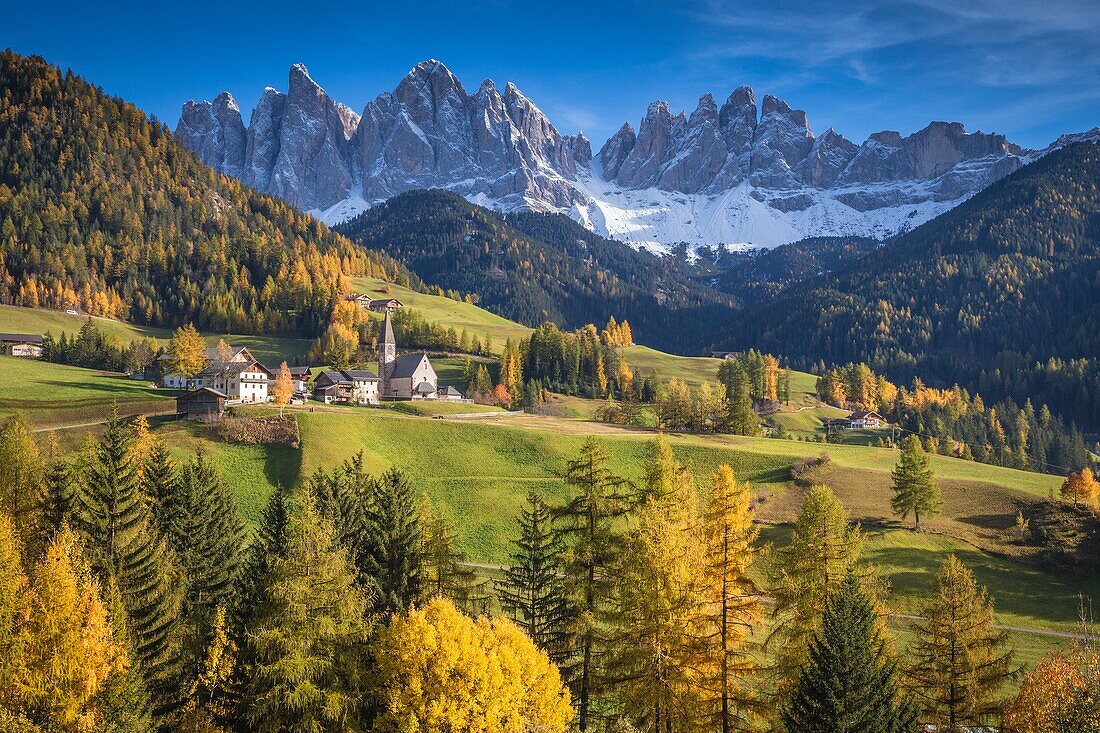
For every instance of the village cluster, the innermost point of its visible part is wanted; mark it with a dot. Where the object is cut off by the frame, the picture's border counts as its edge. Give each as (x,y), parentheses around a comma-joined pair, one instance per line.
(234,376)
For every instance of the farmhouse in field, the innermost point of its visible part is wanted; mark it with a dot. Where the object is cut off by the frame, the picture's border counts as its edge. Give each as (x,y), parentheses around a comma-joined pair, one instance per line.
(857,420)
(236,374)
(21,344)
(351,386)
(379,305)
(865,419)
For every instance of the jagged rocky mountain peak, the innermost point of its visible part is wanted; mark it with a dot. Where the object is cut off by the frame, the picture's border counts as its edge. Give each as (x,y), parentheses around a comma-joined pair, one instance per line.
(322,156)
(739,172)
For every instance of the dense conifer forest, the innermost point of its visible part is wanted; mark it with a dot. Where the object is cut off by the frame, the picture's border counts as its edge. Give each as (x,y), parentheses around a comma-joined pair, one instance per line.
(102,210)
(1000,295)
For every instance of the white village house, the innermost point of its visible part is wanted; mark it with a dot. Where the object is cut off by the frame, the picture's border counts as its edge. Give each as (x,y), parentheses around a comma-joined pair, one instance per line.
(237,375)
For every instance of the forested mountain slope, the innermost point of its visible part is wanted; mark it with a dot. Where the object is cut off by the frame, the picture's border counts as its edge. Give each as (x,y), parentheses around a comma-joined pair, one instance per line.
(1001,295)
(103,210)
(537,267)
(756,275)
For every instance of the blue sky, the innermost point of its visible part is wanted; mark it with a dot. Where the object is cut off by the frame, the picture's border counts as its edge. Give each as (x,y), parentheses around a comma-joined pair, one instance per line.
(1027,68)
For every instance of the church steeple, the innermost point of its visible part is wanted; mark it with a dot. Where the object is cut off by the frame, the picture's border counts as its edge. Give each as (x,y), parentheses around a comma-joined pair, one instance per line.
(387,353)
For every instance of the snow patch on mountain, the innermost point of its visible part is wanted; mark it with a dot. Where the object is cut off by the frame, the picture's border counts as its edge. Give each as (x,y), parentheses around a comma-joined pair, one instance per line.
(735,174)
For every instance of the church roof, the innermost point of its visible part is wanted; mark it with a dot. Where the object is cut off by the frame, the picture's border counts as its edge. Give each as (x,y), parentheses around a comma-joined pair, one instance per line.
(405,366)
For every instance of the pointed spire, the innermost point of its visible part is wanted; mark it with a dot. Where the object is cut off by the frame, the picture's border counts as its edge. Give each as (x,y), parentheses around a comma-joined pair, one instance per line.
(387,330)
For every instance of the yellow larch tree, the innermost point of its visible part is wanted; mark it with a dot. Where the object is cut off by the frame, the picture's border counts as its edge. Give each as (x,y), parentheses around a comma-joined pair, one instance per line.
(70,649)
(283,388)
(657,603)
(186,351)
(734,611)
(441,671)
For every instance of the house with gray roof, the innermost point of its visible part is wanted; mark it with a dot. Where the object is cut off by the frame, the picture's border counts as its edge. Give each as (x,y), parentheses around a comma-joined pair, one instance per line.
(350,386)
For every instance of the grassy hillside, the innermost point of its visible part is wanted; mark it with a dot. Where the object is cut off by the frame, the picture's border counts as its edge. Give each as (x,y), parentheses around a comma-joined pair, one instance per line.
(53,394)
(482,469)
(447,312)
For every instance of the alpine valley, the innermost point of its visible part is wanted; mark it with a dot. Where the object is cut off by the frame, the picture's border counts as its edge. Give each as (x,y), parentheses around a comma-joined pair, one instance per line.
(739,173)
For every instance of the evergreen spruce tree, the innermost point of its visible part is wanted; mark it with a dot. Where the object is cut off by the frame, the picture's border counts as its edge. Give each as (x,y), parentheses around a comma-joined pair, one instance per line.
(124,698)
(915,490)
(59,501)
(268,547)
(959,660)
(158,484)
(588,524)
(124,544)
(850,682)
(252,597)
(742,417)
(206,534)
(391,558)
(309,645)
(532,591)
(343,498)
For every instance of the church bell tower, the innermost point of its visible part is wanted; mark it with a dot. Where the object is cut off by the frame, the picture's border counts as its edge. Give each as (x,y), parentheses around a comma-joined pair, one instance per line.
(387,353)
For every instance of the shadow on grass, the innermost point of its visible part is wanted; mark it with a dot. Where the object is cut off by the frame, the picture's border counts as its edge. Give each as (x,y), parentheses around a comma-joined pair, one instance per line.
(283,465)
(989,521)
(110,384)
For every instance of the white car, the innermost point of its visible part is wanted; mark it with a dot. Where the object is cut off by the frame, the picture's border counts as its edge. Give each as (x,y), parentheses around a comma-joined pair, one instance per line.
(71,312)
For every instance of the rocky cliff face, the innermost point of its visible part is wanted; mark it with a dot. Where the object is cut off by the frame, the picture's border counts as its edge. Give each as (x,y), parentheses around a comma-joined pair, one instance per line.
(319,155)
(714,150)
(216,132)
(735,173)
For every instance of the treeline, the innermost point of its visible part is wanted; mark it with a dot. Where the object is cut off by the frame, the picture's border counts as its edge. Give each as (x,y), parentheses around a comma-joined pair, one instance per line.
(985,296)
(91,348)
(767,382)
(585,362)
(103,210)
(954,422)
(645,599)
(132,603)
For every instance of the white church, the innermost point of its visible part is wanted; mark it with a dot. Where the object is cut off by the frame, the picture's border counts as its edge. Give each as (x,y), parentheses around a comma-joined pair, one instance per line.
(406,377)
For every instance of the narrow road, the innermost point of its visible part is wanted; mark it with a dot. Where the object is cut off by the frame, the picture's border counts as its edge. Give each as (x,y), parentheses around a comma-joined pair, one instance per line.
(69,426)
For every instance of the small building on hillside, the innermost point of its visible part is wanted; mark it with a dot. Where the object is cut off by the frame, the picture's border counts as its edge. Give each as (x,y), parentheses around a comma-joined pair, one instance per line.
(21,344)
(856,421)
(865,419)
(350,386)
(201,404)
(385,305)
(380,305)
